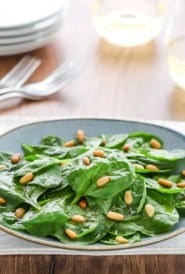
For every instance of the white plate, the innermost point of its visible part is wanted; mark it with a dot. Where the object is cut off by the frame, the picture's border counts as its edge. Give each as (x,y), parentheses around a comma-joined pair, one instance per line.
(32,134)
(21,12)
(31,28)
(13,40)
(28,46)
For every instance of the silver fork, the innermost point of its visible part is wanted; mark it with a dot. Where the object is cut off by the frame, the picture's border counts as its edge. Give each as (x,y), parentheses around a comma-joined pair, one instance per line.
(40,90)
(17,76)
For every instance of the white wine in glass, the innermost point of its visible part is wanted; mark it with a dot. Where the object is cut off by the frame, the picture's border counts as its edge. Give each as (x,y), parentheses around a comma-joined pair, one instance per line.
(176,44)
(129,23)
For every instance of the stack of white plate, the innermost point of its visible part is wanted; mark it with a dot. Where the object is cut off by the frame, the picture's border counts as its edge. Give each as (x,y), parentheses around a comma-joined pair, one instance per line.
(26,25)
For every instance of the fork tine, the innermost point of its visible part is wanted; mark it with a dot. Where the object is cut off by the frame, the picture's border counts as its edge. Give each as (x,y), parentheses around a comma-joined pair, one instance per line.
(61,70)
(21,72)
(25,73)
(15,69)
(59,83)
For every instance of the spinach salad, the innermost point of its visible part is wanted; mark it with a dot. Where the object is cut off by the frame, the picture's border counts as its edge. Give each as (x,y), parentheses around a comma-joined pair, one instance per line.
(109,189)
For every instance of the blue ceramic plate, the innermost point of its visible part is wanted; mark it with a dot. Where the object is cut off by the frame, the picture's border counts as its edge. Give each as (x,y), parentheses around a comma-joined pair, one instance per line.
(32,134)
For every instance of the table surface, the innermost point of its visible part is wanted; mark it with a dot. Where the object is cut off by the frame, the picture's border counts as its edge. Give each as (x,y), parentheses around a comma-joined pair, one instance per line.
(116,82)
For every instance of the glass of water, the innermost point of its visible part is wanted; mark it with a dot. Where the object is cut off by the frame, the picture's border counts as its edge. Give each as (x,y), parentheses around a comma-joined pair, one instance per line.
(176,44)
(129,23)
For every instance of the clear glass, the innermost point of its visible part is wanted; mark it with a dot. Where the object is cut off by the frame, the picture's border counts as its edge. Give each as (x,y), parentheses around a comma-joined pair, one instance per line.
(129,22)
(176,44)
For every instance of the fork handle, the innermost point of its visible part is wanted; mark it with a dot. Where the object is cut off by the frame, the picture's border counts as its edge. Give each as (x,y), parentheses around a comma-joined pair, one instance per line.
(13,94)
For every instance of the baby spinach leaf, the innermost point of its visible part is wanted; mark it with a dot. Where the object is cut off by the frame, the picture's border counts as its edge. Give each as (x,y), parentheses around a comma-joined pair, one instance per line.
(51,141)
(142,140)
(119,181)
(36,166)
(54,151)
(47,220)
(15,194)
(50,178)
(115,141)
(164,219)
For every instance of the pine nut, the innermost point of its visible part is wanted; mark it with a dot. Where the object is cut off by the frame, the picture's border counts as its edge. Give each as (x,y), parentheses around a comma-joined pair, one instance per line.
(80,135)
(2,201)
(70,143)
(115,216)
(139,166)
(83,203)
(165,183)
(2,167)
(150,210)
(26,178)
(155,144)
(98,153)
(102,181)
(126,147)
(181,184)
(78,218)
(15,158)
(183,172)
(20,212)
(121,240)
(128,197)
(64,164)
(152,168)
(70,233)
(86,161)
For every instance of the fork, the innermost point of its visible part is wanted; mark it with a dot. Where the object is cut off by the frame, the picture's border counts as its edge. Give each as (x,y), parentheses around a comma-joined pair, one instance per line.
(40,90)
(17,76)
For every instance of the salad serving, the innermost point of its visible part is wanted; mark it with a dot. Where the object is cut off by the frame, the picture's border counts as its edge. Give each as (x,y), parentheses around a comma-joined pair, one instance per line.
(108,189)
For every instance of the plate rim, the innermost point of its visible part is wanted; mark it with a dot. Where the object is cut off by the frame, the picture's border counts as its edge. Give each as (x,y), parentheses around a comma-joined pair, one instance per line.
(182,135)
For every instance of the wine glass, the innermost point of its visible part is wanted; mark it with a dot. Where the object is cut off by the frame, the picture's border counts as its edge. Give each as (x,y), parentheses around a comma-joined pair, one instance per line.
(129,23)
(176,44)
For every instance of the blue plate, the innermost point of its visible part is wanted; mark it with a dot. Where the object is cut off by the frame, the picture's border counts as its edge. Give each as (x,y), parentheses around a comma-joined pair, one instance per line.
(66,128)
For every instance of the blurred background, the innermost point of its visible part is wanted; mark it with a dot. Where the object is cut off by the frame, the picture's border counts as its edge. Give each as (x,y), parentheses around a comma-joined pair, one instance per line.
(130,56)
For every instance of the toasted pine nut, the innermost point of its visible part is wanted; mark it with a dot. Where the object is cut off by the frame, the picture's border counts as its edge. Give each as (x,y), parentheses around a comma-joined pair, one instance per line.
(2,167)
(70,233)
(128,197)
(126,147)
(70,143)
(165,183)
(102,181)
(83,203)
(150,210)
(2,201)
(20,212)
(121,240)
(155,143)
(86,161)
(139,166)
(26,178)
(64,164)
(80,135)
(183,172)
(115,216)
(181,184)
(78,218)
(98,153)
(15,158)
(152,168)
